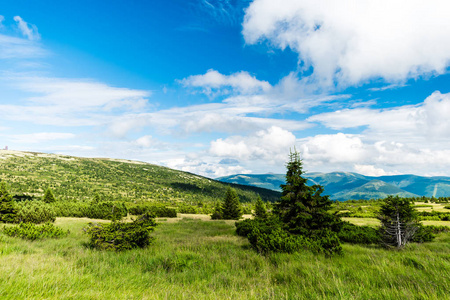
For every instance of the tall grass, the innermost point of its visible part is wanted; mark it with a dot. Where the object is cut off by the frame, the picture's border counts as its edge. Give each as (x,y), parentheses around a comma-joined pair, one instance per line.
(195,259)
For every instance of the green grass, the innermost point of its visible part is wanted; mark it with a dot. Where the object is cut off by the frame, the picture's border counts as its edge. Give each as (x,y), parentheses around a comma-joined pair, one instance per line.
(199,259)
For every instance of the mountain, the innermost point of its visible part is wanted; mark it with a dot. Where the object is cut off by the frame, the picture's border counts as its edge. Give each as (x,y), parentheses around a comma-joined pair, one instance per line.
(347,185)
(76,178)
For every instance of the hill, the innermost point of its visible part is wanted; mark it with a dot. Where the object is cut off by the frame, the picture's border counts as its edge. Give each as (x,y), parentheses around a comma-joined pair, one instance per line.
(75,178)
(347,185)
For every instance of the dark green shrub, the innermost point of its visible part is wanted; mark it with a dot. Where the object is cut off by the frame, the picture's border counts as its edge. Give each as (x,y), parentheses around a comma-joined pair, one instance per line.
(157,211)
(118,236)
(95,210)
(187,209)
(354,234)
(107,210)
(325,241)
(35,212)
(71,209)
(243,228)
(33,232)
(269,236)
(277,240)
(7,209)
(425,234)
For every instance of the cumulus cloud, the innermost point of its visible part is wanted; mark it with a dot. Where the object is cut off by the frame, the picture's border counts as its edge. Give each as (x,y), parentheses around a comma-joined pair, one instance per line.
(213,82)
(349,42)
(428,120)
(362,154)
(333,148)
(211,170)
(270,146)
(30,31)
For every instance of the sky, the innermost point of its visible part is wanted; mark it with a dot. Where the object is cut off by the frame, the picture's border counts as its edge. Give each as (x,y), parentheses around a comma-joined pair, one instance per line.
(222,87)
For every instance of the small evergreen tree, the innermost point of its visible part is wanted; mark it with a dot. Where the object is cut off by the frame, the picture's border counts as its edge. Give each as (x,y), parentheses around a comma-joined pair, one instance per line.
(302,208)
(231,207)
(399,221)
(7,209)
(260,209)
(48,196)
(96,198)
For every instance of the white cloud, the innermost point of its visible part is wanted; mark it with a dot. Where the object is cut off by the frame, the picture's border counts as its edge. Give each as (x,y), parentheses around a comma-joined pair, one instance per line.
(2,18)
(350,41)
(80,94)
(12,47)
(211,170)
(30,31)
(212,81)
(370,170)
(40,137)
(70,102)
(428,120)
(361,153)
(333,148)
(270,146)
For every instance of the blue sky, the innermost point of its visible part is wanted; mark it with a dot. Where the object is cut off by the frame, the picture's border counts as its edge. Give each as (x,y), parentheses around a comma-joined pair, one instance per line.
(221,87)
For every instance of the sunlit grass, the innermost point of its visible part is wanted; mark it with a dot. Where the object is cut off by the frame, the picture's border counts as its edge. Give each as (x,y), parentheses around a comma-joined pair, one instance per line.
(440,207)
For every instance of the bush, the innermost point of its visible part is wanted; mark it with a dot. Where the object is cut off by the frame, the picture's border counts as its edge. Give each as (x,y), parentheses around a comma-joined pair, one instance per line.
(187,209)
(278,240)
(269,236)
(325,241)
(425,234)
(33,232)
(118,236)
(354,234)
(107,210)
(71,209)
(157,211)
(7,208)
(35,212)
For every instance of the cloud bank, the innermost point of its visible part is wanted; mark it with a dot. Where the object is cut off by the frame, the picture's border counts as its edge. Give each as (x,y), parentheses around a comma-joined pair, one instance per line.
(348,42)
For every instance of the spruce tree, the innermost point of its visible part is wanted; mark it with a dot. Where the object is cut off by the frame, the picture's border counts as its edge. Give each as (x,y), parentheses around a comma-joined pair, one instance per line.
(231,207)
(48,196)
(7,210)
(399,221)
(260,210)
(302,209)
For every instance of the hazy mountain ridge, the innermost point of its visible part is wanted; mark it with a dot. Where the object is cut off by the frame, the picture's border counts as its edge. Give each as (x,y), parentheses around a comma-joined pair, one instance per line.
(348,185)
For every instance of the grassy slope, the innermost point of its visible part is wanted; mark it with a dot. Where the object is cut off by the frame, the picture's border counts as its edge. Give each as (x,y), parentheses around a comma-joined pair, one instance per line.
(80,178)
(194,259)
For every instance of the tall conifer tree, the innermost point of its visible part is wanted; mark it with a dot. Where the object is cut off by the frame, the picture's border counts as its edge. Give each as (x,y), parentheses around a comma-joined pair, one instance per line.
(302,208)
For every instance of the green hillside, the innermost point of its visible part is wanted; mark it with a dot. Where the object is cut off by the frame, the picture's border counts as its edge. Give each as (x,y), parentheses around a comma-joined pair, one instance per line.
(74,178)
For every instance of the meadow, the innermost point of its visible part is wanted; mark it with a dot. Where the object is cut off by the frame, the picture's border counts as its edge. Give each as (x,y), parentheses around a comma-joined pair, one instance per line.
(196,258)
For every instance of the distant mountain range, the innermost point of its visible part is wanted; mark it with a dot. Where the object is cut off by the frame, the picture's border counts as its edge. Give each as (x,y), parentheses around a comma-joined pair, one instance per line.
(346,185)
